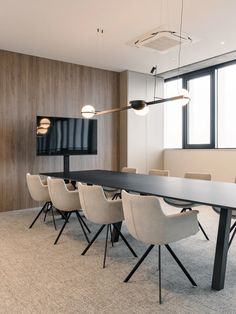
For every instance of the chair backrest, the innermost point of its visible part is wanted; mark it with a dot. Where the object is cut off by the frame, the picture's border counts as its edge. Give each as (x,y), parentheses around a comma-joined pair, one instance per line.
(95,205)
(147,222)
(62,198)
(143,216)
(157,172)
(38,190)
(199,176)
(129,170)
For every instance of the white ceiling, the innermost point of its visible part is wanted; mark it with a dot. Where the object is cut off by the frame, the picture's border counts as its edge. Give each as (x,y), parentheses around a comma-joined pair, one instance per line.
(66,30)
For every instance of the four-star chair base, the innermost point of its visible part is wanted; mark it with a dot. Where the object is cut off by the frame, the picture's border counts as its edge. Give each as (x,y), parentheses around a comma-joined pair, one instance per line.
(81,221)
(46,208)
(159,266)
(105,251)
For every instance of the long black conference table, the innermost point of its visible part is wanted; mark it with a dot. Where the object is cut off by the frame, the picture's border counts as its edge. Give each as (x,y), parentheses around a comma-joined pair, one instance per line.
(199,191)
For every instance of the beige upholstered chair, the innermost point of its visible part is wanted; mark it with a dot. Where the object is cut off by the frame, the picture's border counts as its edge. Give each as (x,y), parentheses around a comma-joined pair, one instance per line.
(147,223)
(66,201)
(198,176)
(128,170)
(39,192)
(98,209)
(157,172)
(188,205)
(233,227)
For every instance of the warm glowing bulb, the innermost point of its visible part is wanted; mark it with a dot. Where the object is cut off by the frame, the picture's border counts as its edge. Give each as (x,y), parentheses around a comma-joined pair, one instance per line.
(142,112)
(41,131)
(88,111)
(186,97)
(45,123)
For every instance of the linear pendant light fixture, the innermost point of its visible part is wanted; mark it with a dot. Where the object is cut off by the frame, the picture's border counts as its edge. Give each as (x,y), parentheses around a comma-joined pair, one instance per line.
(141,107)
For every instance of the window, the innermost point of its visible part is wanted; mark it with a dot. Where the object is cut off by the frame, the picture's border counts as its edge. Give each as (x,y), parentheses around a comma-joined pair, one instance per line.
(208,121)
(227,107)
(198,122)
(172,116)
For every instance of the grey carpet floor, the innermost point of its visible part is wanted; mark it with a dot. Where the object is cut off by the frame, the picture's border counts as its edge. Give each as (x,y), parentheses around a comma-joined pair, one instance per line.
(38,277)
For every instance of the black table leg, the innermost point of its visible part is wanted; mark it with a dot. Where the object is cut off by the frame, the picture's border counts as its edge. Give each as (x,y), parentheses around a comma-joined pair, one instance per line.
(218,278)
(115,233)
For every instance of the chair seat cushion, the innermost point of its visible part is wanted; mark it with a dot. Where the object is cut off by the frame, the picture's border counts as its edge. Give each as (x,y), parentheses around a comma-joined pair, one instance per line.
(179,203)
(108,189)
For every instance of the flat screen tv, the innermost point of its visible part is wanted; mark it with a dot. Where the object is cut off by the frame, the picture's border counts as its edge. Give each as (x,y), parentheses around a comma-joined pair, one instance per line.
(66,136)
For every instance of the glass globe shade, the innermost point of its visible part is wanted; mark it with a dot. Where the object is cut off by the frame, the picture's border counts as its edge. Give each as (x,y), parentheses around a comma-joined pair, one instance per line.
(184,101)
(41,131)
(45,123)
(142,112)
(88,111)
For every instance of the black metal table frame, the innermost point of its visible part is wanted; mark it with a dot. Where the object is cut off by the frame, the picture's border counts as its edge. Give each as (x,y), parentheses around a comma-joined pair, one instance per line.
(131,182)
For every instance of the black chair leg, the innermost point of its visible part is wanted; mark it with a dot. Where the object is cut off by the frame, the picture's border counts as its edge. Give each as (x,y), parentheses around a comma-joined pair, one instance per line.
(46,212)
(63,216)
(112,243)
(105,251)
(126,242)
(81,225)
(84,223)
(232,237)
(40,212)
(139,263)
(116,196)
(66,221)
(93,239)
(53,218)
(159,266)
(181,266)
(233,226)
(203,231)
(200,226)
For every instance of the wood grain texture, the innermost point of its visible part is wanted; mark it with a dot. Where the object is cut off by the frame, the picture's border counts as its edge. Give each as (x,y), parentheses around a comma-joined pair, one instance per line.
(31,86)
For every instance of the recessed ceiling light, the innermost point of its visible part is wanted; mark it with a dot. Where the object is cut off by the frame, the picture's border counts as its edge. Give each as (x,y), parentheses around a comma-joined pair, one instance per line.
(222,42)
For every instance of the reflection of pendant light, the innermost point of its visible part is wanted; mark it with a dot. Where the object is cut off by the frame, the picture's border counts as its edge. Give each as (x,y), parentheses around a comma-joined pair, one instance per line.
(45,123)
(141,107)
(184,101)
(41,131)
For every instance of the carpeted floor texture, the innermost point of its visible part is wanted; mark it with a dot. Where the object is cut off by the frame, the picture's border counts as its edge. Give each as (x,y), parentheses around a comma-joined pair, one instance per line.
(39,277)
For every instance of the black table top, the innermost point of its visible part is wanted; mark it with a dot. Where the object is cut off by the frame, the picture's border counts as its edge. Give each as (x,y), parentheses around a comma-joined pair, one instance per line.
(199,191)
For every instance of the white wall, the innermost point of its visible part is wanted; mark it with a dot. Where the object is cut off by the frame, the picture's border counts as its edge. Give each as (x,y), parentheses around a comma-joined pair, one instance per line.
(221,163)
(141,139)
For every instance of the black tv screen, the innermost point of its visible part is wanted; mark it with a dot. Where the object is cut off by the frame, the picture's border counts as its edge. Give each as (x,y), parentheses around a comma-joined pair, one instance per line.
(66,136)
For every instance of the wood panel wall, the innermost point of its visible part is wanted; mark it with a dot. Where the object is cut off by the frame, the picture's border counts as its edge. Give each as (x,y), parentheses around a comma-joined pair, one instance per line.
(31,86)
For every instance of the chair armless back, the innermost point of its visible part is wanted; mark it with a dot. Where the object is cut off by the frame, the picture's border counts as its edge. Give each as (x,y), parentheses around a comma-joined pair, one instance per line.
(96,207)
(62,198)
(38,190)
(129,170)
(199,176)
(157,172)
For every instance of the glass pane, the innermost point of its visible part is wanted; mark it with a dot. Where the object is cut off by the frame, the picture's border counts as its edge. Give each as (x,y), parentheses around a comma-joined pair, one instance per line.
(226,107)
(172,116)
(199,110)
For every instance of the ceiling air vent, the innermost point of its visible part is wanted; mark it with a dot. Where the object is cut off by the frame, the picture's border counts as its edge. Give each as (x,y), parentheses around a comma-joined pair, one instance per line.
(161,40)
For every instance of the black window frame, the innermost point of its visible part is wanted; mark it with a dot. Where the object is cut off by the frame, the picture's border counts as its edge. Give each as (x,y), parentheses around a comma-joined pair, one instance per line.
(212,71)
(185,80)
